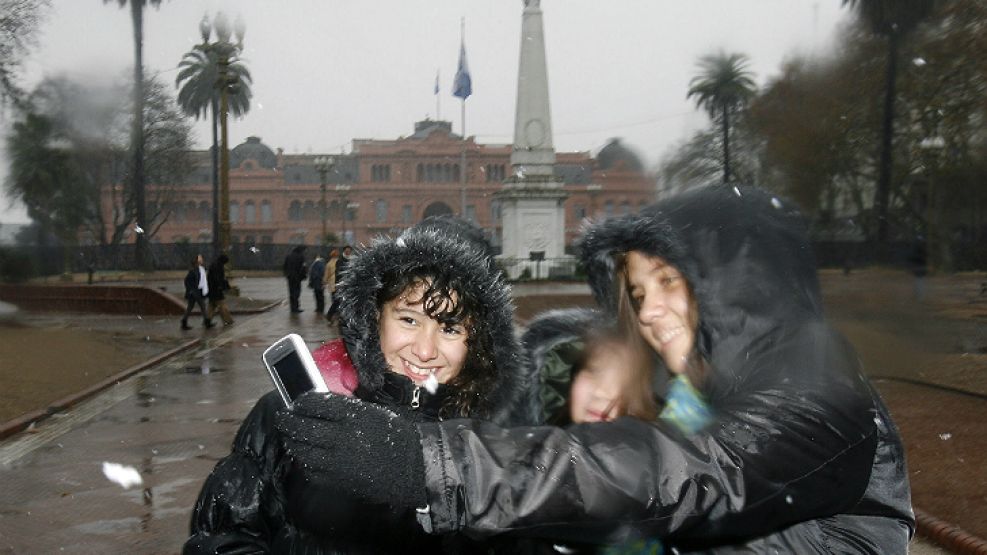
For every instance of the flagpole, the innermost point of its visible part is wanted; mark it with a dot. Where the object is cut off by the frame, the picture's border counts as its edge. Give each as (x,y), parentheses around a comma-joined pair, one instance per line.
(438,113)
(462,153)
(462,164)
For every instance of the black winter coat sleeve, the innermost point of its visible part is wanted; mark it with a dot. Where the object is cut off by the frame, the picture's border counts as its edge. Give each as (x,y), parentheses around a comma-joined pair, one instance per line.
(238,509)
(781,452)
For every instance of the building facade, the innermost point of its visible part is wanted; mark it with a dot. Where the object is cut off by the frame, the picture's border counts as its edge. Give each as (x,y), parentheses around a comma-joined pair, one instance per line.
(385,186)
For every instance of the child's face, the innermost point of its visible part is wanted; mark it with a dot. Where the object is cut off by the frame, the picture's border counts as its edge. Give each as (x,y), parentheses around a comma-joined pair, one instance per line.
(415,345)
(597,393)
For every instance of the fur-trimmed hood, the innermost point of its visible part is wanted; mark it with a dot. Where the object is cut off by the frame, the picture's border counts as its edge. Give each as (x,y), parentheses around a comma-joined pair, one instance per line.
(744,251)
(436,248)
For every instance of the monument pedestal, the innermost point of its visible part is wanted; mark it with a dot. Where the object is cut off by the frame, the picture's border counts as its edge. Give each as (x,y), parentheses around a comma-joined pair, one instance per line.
(533,220)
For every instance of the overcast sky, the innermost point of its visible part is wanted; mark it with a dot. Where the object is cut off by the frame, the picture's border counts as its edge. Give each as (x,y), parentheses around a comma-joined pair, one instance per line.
(328,71)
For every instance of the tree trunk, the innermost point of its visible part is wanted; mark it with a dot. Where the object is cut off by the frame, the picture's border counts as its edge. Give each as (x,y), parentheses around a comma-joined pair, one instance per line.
(726,145)
(883,190)
(141,244)
(216,243)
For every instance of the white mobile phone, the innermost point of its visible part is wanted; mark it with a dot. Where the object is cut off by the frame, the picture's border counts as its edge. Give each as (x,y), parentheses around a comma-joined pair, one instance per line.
(292,368)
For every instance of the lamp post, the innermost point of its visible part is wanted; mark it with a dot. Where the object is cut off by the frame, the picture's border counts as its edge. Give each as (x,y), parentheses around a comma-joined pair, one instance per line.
(224,50)
(343,191)
(324,165)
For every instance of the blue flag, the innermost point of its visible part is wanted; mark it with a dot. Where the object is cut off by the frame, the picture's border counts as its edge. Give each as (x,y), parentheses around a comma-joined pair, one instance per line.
(462,85)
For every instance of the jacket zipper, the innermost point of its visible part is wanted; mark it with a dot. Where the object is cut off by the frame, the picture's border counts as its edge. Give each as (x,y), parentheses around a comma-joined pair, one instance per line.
(415,397)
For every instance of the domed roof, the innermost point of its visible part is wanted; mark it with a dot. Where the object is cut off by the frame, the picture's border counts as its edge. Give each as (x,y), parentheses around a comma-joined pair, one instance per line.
(617,156)
(253,149)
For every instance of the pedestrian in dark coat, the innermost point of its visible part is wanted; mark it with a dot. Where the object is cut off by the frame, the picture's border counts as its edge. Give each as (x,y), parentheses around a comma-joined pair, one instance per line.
(295,273)
(256,500)
(800,454)
(315,275)
(196,291)
(340,270)
(218,285)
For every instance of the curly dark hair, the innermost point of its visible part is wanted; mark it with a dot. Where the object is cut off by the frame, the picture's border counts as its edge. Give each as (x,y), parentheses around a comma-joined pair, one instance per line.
(446,299)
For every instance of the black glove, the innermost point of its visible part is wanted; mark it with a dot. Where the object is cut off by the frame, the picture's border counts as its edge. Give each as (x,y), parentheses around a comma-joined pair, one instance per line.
(357,447)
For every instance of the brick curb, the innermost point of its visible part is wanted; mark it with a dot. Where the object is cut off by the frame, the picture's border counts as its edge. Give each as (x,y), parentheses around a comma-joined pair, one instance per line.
(948,535)
(20,423)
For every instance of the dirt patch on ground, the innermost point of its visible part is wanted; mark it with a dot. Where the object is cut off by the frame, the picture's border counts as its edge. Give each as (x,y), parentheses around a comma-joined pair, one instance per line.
(40,364)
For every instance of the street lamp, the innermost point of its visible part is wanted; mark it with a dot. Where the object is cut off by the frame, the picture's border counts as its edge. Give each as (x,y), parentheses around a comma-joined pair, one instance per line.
(324,165)
(225,50)
(343,191)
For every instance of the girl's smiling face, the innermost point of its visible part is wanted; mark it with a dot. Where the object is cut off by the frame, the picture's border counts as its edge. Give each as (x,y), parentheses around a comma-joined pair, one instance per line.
(665,310)
(416,345)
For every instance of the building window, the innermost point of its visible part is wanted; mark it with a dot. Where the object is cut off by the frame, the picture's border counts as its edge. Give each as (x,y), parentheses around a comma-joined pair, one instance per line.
(266,213)
(234,212)
(625,207)
(249,239)
(204,211)
(250,212)
(495,172)
(420,173)
(608,209)
(406,214)
(297,239)
(380,173)
(471,212)
(495,211)
(295,211)
(381,210)
(579,212)
(266,240)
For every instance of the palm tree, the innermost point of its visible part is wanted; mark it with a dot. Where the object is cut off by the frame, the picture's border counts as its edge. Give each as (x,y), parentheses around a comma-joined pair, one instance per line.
(724,85)
(137,18)
(198,85)
(893,19)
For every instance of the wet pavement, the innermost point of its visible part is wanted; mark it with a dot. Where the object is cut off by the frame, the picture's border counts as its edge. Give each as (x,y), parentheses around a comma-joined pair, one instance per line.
(171,422)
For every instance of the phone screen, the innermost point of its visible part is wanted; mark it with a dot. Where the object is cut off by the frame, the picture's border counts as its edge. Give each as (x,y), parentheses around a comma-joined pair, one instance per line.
(291,371)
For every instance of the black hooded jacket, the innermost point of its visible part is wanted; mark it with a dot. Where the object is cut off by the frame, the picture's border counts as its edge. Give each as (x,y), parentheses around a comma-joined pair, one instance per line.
(253,502)
(801,457)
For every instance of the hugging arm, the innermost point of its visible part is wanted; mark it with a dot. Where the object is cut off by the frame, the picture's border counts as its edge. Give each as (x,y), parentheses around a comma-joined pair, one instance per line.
(783,452)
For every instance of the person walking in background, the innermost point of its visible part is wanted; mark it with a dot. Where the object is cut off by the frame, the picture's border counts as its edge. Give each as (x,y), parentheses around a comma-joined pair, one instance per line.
(341,264)
(216,279)
(196,291)
(329,277)
(315,280)
(294,272)
(918,264)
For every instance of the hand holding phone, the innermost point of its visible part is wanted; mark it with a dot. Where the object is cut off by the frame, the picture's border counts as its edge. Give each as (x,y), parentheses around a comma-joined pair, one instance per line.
(292,368)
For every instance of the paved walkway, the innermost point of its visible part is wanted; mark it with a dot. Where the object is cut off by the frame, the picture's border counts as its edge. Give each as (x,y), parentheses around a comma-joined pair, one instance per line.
(171,422)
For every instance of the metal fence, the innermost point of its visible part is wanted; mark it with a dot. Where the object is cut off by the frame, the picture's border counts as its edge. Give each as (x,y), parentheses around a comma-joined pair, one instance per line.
(22,262)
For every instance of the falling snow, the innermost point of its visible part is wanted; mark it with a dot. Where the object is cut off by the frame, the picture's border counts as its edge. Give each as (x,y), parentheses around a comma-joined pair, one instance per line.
(126,476)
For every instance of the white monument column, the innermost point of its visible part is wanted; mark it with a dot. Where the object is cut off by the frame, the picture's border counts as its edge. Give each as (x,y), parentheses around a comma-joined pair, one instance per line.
(532,199)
